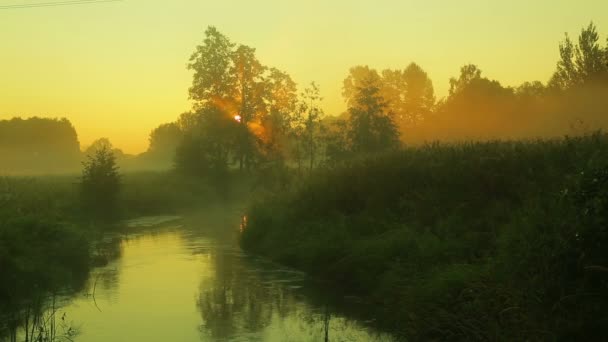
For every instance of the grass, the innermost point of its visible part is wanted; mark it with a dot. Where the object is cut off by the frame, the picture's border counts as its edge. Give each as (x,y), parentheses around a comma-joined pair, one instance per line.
(476,241)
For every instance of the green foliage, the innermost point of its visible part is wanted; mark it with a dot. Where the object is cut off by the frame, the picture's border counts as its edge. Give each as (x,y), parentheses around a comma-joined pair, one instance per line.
(476,241)
(100,184)
(231,80)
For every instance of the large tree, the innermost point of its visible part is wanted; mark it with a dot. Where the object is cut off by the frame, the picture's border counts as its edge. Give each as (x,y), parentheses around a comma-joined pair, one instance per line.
(248,74)
(260,100)
(211,63)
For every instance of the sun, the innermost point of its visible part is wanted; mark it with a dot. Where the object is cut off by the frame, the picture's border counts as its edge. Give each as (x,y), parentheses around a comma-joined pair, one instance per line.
(237,118)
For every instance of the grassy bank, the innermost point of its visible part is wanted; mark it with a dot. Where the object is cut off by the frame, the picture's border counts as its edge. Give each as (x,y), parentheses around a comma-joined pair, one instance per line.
(480,241)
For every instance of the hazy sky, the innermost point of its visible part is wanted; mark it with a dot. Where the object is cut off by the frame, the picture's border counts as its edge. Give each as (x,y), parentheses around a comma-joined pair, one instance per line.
(118,69)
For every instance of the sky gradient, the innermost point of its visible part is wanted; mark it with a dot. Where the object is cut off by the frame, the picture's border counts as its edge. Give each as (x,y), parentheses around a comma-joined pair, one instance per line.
(118,69)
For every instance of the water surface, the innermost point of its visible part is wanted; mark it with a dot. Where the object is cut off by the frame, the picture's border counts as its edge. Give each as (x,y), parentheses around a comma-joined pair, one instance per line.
(189,281)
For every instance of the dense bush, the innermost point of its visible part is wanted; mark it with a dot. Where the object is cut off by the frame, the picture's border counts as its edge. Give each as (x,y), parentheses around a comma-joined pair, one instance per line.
(478,241)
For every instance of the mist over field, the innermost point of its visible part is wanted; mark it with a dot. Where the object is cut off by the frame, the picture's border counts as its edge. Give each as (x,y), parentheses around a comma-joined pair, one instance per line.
(307,184)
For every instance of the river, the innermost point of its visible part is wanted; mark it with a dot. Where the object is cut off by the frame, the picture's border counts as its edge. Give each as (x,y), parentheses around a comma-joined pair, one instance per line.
(188,280)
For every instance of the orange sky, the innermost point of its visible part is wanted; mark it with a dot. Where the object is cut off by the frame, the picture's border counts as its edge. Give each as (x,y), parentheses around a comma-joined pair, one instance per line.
(118,69)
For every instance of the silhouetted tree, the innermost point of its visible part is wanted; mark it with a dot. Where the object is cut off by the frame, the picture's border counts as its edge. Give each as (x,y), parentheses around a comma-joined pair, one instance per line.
(281,97)
(207,144)
(583,63)
(249,95)
(476,108)
(468,74)
(102,143)
(100,184)
(259,99)
(211,62)
(38,145)
(419,97)
(358,77)
(408,93)
(371,126)
(164,140)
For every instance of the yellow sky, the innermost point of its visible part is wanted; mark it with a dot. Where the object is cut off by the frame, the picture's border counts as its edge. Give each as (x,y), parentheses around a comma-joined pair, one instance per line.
(118,69)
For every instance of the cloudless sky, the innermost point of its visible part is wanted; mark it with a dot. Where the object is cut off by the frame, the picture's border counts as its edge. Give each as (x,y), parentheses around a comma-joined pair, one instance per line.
(118,69)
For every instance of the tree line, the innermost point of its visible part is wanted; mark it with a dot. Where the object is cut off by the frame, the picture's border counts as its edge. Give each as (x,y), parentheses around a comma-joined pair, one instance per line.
(248,115)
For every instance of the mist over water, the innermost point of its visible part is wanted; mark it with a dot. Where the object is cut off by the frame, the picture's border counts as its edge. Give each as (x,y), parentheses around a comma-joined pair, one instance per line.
(258,215)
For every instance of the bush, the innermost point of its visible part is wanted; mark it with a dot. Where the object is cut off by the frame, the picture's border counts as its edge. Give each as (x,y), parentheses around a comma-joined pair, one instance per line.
(100,185)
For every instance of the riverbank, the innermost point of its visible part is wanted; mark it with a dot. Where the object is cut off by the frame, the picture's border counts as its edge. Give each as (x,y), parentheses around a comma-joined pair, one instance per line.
(48,244)
(479,241)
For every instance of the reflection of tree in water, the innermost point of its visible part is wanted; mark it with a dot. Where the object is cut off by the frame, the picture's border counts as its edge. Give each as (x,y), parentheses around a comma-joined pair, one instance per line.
(245,299)
(38,317)
(106,250)
(235,301)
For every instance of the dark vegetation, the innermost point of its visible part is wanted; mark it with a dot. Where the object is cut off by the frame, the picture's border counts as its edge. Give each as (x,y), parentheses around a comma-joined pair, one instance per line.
(479,241)
(459,240)
(496,240)
(35,144)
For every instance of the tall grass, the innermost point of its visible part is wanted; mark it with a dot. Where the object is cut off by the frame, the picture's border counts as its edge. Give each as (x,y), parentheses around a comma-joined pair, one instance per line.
(475,241)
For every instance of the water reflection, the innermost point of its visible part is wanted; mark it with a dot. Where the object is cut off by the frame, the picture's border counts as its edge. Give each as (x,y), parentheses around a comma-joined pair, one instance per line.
(192,283)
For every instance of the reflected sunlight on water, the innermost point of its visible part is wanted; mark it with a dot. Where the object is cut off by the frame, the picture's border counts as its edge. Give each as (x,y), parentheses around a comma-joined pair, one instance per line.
(187,285)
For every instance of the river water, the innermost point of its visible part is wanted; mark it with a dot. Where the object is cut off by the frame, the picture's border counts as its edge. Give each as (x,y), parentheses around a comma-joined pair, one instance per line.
(189,281)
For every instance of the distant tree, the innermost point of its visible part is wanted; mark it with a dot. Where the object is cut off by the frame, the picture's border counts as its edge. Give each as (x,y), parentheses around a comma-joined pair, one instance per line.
(419,97)
(409,93)
(583,63)
(164,140)
(38,145)
(531,89)
(100,184)
(104,143)
(468,75)
(207,143)
(371,126)
(99,144)
(359,76)
(476,108)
